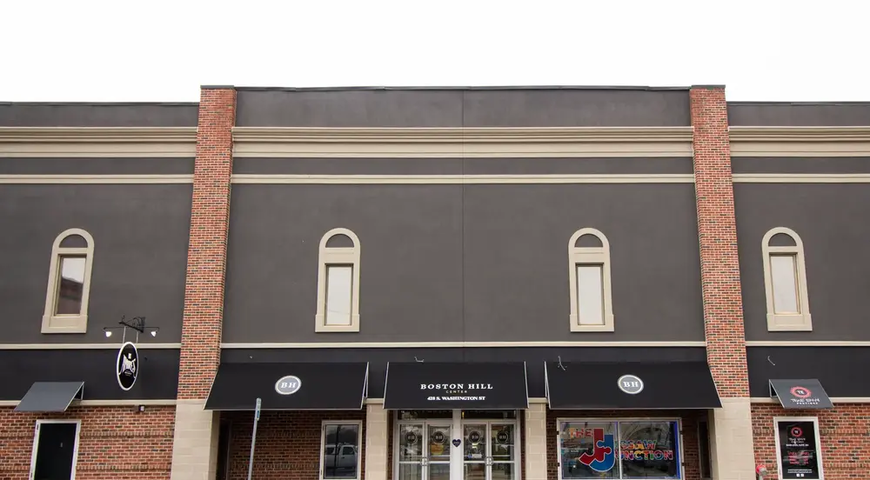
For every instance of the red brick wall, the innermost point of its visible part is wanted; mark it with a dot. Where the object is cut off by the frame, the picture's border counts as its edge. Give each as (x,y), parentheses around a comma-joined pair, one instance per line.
(689,420)
(288,443)
(115,443)
(206,257)
(843,433)
(717,234)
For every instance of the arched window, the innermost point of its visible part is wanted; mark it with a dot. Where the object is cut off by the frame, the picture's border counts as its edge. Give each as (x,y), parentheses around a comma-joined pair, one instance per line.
(589,278)
(785,281)
(338,282)
(69,283)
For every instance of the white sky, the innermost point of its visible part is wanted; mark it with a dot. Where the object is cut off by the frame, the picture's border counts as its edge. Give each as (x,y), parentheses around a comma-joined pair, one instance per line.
(157,50)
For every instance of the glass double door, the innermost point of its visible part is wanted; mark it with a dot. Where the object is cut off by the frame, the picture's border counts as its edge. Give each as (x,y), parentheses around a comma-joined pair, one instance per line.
(488,450)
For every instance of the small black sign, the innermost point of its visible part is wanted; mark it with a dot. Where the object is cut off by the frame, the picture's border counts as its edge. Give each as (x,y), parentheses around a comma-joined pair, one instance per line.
(438,437)
(444,386)
(474,436)
(801,394)
(798,452)
(501,437)
(127,366)
(457,442)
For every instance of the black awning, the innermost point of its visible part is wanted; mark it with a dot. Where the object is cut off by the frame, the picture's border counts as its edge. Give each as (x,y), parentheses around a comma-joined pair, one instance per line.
(289,386)
(800,394)
(449,385)
(50,396)
(594,385)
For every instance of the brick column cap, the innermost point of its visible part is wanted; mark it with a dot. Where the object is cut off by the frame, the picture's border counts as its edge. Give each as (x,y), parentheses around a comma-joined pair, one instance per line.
(217,87)
(708,86)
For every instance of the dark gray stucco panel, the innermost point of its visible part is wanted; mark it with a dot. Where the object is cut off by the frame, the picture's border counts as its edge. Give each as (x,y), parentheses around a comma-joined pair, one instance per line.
(140,235)
(498,107)
(96,166)
(468,166)
(98,114)
(834,367)
(831,221)
(800,165)
(157,380)
(534,358)
(454,263)
(798,114)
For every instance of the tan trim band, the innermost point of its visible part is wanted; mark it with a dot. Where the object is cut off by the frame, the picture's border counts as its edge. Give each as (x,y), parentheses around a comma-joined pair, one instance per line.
(96,179)
(97,141)
(458,179)
(802,177)
(800,141)
(833,400)
(103,403)
(233,345)
(85,346)
(806,343)
(463,142)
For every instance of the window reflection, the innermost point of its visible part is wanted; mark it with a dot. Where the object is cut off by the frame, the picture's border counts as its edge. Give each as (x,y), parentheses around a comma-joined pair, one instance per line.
(341,451)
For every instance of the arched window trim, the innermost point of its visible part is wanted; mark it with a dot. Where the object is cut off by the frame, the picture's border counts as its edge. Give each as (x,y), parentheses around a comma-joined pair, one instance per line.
(800,322)
(52,322)
(332,256)
(590,255)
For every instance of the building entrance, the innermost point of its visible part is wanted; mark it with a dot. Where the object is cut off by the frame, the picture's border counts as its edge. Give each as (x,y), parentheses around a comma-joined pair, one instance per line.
(457,448)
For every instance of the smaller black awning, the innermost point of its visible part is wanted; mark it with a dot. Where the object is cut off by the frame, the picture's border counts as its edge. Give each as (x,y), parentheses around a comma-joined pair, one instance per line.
(289,386)
(630,385)
(800,394)
(50,396)
(449,385)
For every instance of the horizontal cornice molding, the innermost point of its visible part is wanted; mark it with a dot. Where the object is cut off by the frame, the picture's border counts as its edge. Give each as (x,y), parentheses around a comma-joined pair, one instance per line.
(97,142)
(800,141)
(107,179)
(276,345)
(802,177)
(459,179)
(86,346)
(462,142)
(806,343)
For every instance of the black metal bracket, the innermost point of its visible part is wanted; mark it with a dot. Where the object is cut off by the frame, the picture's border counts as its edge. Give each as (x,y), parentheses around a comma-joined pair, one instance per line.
(138,323)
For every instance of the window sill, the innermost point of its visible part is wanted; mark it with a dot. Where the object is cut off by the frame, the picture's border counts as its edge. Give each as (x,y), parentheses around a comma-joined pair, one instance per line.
(64,324)
(606,327)
(789,323)
(319,326)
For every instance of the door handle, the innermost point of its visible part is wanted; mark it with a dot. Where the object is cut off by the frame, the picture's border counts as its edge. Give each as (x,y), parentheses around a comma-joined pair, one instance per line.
(488,461)
(424,461)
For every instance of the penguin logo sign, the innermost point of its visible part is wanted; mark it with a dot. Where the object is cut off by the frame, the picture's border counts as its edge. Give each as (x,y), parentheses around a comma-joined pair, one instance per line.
(127,366)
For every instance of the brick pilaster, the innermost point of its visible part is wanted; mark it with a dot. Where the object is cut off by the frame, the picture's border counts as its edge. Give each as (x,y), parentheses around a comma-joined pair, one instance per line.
(717,233)
(207,251)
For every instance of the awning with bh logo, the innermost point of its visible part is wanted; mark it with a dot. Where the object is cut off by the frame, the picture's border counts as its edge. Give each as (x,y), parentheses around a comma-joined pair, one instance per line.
(289,386)
(630,385)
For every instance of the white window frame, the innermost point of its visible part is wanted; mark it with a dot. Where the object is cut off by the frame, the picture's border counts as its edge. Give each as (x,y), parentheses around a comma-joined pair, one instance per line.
(337,256)
(679,421)
(815,421)
(51,322)
(800,322)
(35,449)
(359,424)
(590,256)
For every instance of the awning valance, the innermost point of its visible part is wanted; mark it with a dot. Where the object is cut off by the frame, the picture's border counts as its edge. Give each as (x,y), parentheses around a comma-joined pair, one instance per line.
(449,385)
(289,386)
(800,394)
(630,385)
(50,396)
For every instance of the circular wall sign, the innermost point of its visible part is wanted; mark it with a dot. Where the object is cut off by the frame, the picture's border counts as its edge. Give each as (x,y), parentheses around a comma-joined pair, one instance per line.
(501,437)
(288,385)
(630,384)
(438,437)
(474,437)
(410,438)
(127,366)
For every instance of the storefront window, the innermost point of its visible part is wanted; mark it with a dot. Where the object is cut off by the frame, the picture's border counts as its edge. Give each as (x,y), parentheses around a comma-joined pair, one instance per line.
(798,445)
(619,449)
(341,456)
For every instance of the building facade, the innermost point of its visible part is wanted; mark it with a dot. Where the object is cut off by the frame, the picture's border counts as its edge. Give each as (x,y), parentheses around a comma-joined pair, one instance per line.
(434,284)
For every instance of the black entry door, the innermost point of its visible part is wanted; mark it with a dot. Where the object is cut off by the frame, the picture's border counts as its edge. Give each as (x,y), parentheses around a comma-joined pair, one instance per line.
(55,450)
